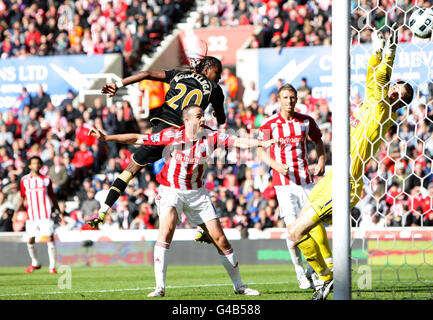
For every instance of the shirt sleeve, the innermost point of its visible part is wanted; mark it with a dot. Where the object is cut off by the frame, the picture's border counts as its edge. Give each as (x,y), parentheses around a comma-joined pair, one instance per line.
(383,77)
(22,189)
(314,133)
(373,62)
(50,190)
(162,138)
(264,133)
(170,74)
(220,139)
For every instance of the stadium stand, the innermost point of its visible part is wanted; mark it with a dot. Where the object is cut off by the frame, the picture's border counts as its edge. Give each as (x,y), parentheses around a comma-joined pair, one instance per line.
(59,135)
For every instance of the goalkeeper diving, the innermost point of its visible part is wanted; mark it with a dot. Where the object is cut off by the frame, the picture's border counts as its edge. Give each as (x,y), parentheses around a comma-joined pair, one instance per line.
(368,129)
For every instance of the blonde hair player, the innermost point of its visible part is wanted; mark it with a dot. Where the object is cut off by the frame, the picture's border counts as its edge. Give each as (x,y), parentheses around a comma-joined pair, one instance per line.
(291,175)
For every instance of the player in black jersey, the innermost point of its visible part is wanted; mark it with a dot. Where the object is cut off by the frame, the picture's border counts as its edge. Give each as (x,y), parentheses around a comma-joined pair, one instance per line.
(198,86)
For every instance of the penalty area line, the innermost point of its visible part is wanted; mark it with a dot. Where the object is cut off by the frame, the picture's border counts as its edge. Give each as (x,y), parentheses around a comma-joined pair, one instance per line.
(130,289)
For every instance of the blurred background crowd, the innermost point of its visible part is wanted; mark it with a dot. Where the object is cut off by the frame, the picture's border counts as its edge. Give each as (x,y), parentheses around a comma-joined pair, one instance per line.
(399,182)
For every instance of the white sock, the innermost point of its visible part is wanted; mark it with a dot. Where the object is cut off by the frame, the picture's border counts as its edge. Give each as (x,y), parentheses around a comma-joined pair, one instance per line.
(51,254)
(104,208)
(32,252)
(296,256)
(231,264)
(160,252)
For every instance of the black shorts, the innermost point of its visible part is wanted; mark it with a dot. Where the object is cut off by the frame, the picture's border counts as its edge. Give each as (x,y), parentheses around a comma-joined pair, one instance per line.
(150,154)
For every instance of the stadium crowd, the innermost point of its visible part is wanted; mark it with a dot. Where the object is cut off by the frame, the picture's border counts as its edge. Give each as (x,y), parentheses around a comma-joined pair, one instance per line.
(62,27)
(133,27)
(82,169)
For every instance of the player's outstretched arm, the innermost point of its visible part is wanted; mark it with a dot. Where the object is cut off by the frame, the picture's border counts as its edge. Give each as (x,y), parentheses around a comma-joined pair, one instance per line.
(378,44)
(111,88)
(392,41)
(384,70)
(244,143)
(126,138)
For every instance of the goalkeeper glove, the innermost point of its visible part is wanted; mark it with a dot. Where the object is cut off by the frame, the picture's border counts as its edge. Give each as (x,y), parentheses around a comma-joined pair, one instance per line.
(378,41)
(391,42)
(96,220)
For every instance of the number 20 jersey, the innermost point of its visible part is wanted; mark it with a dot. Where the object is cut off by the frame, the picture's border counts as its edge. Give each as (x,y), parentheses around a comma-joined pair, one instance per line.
(186,88)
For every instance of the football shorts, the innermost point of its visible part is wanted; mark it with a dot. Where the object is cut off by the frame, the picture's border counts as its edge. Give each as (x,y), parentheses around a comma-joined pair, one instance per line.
(320,198)
(195,204)
(145,155)
(39,227)
(291,198)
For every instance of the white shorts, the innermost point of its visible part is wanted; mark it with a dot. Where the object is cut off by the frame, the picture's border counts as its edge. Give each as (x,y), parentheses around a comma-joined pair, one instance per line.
(39,227)
(291,198)
(195,204)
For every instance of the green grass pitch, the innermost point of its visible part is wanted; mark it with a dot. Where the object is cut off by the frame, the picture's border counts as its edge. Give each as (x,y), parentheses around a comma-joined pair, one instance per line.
(274,281)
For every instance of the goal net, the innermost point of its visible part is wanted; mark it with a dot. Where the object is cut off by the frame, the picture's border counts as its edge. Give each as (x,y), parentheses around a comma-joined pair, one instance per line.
(392,223)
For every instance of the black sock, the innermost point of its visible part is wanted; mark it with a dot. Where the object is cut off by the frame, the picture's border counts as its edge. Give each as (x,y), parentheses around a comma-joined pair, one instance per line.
(117,188)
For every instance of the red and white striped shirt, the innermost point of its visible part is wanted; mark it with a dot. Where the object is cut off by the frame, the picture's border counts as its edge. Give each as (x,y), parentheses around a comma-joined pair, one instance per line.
(186,160)
(38,192)
(293,151)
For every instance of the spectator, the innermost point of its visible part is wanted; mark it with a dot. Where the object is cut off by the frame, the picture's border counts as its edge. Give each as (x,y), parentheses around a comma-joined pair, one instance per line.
(256,203)
(230,81)
(110,225)
(40,100)
(261,180)
(83,161)
(6,220)
(90,205)
(263,221)
(82,133)
(304,89)
(24,99)
(58,175)
(6,137)
(13,125)
(251,94)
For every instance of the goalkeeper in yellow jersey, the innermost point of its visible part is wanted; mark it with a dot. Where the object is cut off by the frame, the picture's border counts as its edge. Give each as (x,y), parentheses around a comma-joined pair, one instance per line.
(368,129)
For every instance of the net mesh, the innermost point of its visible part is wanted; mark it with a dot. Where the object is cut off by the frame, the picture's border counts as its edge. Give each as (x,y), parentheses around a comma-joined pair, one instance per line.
(392,246)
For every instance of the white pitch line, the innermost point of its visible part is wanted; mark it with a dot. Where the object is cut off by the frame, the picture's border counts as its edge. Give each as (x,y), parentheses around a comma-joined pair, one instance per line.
(131,289)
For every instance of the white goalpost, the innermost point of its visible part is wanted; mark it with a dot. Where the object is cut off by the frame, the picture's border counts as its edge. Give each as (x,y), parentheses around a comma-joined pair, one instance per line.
(341,237)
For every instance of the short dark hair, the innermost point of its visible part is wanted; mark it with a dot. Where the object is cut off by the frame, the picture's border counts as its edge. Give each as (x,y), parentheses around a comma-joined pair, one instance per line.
(407,98)
(288,87)
(185,110)
(36,157)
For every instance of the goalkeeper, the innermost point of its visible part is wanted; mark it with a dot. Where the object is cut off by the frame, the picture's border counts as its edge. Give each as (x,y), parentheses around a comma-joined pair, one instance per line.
(368,129)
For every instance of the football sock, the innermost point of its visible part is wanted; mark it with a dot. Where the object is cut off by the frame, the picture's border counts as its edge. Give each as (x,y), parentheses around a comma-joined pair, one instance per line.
(51,254)
(117,188)
(319,235)
(230,262)
(32,252)
(296,256)
(312,254)
(160,252)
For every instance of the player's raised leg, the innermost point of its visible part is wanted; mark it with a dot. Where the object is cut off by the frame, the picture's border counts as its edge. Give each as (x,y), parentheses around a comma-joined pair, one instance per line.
(117,188)
(227,256)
